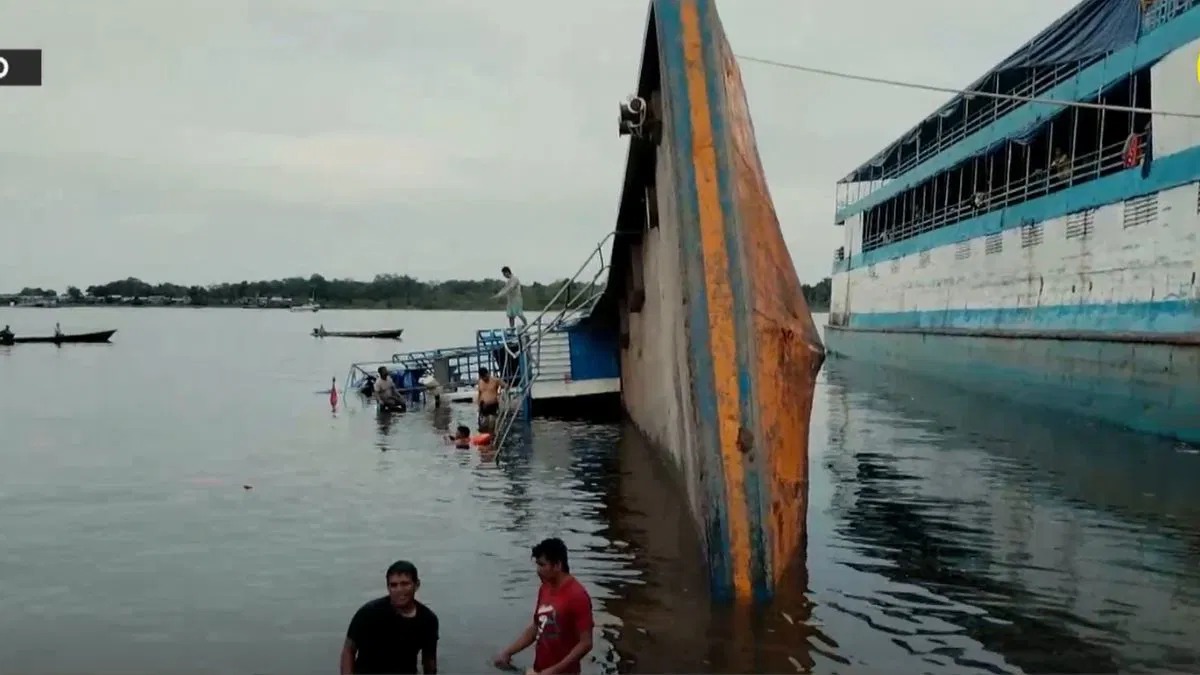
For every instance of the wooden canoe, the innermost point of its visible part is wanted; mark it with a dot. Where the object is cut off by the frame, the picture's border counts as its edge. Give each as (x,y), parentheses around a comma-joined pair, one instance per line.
(96,337)
(374,334)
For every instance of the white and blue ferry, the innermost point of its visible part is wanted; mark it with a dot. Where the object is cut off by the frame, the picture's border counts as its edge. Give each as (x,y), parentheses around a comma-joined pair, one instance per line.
(1044,251)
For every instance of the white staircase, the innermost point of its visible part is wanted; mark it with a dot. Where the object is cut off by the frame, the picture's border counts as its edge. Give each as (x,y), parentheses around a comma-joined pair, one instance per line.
(547,353)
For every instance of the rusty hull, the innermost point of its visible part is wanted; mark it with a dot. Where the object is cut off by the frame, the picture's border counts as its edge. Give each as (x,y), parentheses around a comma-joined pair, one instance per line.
(719,352)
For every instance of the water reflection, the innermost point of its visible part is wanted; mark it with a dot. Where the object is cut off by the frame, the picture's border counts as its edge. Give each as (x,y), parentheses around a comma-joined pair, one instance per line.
(1007,538)
(667,620)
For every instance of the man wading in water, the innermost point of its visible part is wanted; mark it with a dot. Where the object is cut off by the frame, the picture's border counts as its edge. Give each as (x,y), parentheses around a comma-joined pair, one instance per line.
(562,620)
(488,392)
(387,633)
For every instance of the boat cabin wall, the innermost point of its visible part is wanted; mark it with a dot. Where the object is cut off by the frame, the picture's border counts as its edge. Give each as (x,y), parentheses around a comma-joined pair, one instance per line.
(1174,88)
(655,376)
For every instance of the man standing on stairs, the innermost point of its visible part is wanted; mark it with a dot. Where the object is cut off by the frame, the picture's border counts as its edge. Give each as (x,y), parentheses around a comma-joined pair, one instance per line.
(511,292)
(487,394)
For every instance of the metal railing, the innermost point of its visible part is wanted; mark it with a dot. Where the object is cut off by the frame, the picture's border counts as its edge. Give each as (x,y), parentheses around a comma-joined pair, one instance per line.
(1156,14)
(1161,11)
(463,362)
(529,337)
(987,114)
(1079,169)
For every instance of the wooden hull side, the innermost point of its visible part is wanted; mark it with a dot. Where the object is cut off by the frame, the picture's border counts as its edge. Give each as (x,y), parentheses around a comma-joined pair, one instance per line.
(753,350)
(98,337)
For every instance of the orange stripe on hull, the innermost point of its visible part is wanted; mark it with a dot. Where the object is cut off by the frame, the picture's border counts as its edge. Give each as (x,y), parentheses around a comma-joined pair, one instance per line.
(720,298)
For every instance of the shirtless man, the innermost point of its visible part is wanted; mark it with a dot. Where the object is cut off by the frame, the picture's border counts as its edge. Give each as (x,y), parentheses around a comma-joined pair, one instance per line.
(385,391)
(488,394)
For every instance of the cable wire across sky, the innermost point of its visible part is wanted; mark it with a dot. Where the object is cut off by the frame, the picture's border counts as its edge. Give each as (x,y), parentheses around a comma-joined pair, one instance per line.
(970,93)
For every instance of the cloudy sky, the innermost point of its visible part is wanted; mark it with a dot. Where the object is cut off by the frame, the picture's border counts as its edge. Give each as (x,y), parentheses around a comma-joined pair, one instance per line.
(218,140)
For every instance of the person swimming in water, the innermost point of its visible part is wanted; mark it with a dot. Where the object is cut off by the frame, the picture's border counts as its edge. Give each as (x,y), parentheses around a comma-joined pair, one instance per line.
(461,437)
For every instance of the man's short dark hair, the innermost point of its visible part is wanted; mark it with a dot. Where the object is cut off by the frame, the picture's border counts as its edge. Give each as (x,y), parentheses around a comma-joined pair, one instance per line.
(552,550)
(403,568)
(463,430)
(505,270)
(483,372)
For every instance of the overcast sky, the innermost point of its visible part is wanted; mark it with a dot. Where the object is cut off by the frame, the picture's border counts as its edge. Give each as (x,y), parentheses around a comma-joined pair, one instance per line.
(197,142)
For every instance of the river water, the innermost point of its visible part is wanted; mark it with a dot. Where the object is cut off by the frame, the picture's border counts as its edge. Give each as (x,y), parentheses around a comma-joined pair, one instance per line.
(184,500)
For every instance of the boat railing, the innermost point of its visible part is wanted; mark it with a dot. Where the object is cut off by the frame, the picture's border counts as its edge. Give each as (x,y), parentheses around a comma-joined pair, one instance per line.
(1075,170)
(462,362)
(1159,12)
(552,318)
(499,348)
(1040,82)
(1155,14)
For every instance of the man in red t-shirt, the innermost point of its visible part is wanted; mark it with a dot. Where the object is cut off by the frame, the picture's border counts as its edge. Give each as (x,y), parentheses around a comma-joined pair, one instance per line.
(562,619)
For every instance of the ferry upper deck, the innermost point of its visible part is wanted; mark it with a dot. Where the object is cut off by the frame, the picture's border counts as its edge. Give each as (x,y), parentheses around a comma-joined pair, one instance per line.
(977,154)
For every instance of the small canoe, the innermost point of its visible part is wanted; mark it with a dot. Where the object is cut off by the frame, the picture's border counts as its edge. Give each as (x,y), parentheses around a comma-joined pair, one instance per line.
(92,338)
(375,334)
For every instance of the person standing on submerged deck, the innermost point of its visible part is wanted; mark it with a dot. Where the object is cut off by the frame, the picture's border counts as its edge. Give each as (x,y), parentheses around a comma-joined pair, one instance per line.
(488,393)
(514,305)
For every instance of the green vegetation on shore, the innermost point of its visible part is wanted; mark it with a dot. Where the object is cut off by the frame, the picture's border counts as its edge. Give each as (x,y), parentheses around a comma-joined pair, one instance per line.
(385,291)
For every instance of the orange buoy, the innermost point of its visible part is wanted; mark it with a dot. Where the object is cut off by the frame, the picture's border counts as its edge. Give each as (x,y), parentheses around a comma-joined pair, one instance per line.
(481,439)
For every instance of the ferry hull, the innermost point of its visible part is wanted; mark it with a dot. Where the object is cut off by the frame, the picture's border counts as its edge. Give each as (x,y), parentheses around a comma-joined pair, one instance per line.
(719,352)
(1143,386)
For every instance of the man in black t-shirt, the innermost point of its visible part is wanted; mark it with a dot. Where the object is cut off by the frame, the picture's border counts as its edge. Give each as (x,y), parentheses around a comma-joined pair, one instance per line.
(387,633)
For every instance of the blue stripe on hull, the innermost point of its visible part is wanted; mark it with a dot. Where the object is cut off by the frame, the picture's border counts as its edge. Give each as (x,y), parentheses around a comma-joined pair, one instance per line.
(1168,316)
(1151,388)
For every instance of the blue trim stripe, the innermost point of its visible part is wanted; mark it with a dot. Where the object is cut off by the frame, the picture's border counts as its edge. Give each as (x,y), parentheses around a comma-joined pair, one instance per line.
(1176,316)
(1151,388)
(740,285)
(1166,172)
(1087,83)
(669,28)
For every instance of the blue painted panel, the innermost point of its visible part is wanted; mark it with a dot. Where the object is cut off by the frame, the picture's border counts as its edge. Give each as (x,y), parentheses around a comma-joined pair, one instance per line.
(1166,172)
(1168,316)
(1082,86)
(595,354)
(1144,387)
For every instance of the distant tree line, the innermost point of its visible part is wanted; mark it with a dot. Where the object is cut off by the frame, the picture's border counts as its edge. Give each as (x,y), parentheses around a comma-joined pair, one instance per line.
(385,291)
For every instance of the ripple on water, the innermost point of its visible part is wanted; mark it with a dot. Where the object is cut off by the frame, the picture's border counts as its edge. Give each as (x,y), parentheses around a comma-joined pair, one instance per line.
(946,533)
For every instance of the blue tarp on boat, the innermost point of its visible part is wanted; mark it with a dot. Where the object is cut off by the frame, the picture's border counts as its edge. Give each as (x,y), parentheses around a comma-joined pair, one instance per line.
(1087,32)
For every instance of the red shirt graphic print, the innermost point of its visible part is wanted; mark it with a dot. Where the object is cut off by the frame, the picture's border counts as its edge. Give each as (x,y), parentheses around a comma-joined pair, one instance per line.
(562,616)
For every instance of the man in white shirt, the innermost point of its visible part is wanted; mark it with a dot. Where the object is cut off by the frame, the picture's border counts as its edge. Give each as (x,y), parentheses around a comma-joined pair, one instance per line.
(513,302)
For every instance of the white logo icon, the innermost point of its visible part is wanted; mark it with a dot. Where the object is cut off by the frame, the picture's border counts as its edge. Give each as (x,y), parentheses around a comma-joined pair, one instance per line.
(3,67)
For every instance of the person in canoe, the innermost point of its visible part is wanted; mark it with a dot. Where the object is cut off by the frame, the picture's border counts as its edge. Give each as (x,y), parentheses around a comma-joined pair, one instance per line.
(6,336)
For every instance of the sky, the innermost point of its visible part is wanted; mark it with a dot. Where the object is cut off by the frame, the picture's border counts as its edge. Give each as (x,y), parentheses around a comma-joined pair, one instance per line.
(199,142)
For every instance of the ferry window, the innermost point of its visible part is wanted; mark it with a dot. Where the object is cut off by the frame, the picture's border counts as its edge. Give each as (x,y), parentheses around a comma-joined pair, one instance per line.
(1077,145)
